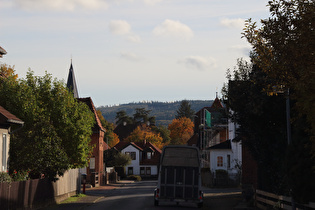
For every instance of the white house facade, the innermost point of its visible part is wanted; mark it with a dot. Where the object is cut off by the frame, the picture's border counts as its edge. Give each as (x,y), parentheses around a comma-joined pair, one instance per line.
(144,158)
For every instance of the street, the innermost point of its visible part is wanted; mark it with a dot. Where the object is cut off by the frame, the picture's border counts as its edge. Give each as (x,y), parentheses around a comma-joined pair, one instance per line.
(139,195)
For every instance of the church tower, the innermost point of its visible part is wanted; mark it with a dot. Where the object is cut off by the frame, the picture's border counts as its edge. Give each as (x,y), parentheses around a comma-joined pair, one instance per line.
(71,84)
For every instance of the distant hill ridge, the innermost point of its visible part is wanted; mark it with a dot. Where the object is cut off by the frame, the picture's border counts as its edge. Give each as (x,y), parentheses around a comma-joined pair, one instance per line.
(164,112)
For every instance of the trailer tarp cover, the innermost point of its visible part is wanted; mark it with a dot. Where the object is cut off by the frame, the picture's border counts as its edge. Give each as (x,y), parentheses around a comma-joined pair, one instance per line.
(180,157)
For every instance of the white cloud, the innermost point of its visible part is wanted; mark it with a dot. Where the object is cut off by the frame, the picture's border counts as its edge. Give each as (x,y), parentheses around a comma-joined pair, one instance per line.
(244,49)
(198,62)
(233,23)
(171,28)
(123,28)
(129,56)
(61,5)
(120,27)
(151,2)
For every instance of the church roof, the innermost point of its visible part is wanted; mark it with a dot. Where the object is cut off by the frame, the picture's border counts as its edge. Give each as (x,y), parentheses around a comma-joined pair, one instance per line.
(71,83)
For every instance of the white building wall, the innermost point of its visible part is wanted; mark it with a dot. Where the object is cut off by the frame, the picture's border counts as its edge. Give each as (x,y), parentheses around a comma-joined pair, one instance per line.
(134,163)
(5,167)
(236,146)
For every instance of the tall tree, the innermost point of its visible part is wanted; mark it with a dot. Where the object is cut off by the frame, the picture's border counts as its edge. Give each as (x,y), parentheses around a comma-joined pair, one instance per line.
(284,48)
(110,137)
(144,133)
(142,115)
(122,117)
(185,110)
(57,129)
(181,130)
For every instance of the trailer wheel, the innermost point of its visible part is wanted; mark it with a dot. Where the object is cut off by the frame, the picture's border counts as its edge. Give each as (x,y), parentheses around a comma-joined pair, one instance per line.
(156,202)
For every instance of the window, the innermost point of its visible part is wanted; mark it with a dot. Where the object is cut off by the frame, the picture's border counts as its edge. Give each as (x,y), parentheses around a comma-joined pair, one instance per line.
(130,170)
(220,161)
(228,161)
(149,155)
(142,171)
(4,152)
(131,154)
(148,170)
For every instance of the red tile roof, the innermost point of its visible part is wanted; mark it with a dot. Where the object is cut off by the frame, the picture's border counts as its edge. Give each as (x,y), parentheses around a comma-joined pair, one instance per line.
(7,117)
(2,52)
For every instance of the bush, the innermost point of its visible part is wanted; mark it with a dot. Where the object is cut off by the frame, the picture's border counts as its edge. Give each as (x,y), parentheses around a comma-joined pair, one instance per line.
(18,176)
(134,177)
(5,177)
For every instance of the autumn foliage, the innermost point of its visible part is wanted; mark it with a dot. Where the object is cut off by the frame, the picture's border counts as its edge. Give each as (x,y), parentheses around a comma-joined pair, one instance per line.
(181,130)
(144,133)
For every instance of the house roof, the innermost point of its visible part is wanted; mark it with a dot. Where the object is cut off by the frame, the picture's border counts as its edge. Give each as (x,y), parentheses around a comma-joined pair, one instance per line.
(142,146)
(71,83)
(193,140)
(7,118)
(2,52)
(223,145)
(216,104)
(98,125)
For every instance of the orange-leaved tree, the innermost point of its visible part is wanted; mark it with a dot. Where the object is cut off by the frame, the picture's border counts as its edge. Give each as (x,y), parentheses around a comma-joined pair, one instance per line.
(144,133)
(181,130)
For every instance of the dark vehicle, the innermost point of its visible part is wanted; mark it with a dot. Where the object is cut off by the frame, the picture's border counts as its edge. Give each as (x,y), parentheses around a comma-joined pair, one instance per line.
(179,176)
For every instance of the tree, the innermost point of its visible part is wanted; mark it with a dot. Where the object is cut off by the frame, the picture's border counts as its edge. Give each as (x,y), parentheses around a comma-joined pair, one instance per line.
(181,130)
(110,137)
(57,128)
(122,117)
(185,110)
(284,48)
(164,133)
(144,133)
(121,159)
(7,71)
(142,115)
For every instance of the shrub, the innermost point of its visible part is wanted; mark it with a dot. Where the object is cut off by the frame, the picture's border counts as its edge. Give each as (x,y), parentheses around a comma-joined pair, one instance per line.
(19,176)
(5,177)
(134,177)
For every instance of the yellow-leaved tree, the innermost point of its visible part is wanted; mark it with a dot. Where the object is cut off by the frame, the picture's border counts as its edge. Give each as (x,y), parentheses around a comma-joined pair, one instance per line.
(181,130)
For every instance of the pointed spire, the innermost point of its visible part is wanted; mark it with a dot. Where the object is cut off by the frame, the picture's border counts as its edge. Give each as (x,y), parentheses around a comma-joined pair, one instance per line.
(71,84)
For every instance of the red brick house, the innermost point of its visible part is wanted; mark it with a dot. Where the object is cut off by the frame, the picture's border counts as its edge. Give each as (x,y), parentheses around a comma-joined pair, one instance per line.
(95,171)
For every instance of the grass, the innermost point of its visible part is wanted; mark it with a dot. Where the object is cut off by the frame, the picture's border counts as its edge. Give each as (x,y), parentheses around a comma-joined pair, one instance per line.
(73,198)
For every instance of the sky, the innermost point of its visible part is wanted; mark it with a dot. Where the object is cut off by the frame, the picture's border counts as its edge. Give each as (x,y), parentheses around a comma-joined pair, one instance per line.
(126,51)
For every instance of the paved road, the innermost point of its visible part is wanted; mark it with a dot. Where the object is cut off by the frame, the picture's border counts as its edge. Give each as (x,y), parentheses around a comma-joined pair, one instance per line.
(139,195)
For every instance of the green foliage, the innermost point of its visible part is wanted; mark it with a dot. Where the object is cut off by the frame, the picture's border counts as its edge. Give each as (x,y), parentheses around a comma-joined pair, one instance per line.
(57,129)
(109,157)
(164,133)
(122,117)
(283,50)
(121,159)
(142,115)
(18,176)
(185,110)
(5,177)
(134,177)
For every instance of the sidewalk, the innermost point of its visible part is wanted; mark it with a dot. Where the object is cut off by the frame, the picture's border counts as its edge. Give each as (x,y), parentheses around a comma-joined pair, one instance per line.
(92,196)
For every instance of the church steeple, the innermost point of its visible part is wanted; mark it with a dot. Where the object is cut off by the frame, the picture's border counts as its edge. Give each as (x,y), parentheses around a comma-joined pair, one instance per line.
(71,84)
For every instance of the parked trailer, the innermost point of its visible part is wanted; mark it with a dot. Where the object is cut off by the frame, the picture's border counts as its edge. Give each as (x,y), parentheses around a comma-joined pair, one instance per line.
(179,176)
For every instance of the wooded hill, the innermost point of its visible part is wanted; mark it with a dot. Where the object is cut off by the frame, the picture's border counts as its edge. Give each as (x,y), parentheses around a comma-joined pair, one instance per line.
(164,112)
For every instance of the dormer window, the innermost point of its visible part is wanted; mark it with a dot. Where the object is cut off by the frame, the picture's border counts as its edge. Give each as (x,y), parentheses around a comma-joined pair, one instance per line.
(149,155)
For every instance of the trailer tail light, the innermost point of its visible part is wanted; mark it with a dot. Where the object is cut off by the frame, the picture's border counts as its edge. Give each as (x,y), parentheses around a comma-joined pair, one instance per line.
(157,193)
(200,195)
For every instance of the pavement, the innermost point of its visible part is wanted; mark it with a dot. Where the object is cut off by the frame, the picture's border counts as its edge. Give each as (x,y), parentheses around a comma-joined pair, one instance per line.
(92,197)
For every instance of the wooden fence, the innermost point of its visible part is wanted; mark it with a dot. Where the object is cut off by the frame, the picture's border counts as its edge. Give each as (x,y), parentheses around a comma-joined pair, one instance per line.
(265,200)
(38,193)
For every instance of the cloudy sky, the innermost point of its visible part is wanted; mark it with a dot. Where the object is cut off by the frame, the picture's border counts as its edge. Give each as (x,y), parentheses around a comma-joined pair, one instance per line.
(129,50)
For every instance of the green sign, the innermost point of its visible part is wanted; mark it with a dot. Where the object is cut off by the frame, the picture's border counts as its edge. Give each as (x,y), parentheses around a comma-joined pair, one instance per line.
(207,119)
